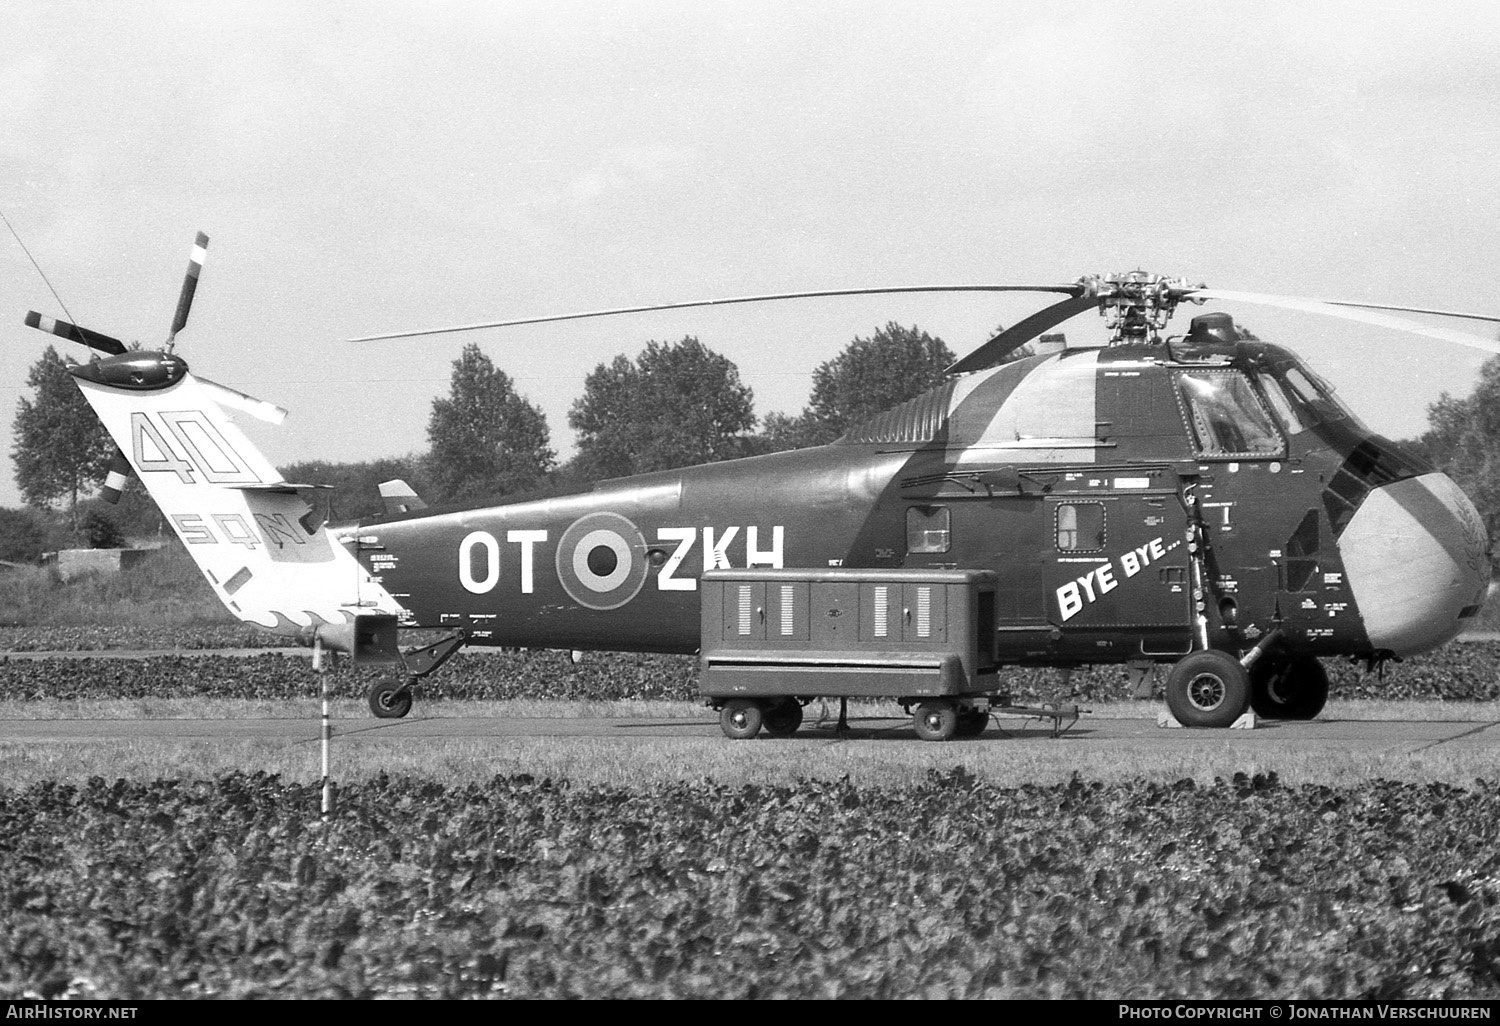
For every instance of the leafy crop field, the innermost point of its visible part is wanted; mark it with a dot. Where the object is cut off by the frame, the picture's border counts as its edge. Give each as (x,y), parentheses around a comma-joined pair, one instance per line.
(1460,672)
(942,880)
(951,887)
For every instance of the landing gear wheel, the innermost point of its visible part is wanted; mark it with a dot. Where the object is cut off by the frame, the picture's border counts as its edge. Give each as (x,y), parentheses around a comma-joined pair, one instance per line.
(971,722)
(783,717)
(740,719)
(1288,689)
(390,700)
(935,720)
(1208,689)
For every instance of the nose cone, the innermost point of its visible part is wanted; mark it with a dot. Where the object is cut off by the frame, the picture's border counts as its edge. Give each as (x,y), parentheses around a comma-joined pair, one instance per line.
(1416,556)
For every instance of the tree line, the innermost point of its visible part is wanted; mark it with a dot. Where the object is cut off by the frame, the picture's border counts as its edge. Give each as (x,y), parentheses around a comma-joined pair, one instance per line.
(672,405)
(1463,441)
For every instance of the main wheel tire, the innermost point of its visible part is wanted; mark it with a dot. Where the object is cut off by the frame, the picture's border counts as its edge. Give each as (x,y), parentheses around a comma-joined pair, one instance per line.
(783,718)
(390,700)
(935,720)
(1208,689)
(741,718)
(1288,689)
(971,722)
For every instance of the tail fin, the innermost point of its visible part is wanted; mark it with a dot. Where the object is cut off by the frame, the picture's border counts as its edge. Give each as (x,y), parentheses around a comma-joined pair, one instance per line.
(254,535)
(400,497)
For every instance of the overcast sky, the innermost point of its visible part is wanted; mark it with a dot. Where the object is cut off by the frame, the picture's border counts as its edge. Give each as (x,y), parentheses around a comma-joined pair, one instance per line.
(369,167)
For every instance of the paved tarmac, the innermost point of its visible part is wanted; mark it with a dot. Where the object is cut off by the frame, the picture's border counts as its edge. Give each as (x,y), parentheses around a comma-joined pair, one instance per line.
(306,652)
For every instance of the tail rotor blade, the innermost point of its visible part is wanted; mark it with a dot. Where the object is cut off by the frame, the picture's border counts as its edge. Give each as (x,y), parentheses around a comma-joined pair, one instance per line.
(237,400)
(189,286)
(73,333)
(118,477)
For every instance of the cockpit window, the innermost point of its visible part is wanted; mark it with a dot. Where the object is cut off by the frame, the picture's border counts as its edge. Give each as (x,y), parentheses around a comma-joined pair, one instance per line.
(1313,393)
(1226,416)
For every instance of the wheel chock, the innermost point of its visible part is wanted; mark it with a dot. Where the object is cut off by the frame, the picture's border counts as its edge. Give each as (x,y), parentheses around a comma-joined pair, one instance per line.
(1166,721)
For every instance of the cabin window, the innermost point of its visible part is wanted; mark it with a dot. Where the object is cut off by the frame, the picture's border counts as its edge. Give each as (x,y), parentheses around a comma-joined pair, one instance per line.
(928,529)
(1080,526)
(1226,416)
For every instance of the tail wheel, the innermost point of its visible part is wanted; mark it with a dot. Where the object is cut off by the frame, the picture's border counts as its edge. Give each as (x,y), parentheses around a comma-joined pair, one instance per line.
(1288,689)
(390,700)
(741,719)
(783,718)
(1208,689)
(935,720)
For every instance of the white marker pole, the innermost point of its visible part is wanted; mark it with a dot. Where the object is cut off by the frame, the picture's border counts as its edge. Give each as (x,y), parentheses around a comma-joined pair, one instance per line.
(327,727)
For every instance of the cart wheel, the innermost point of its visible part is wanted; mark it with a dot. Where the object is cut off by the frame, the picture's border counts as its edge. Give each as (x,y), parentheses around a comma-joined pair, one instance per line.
(740,719)
(390,700)
(971,722)
(936,720)
(783,718)
(1208,689)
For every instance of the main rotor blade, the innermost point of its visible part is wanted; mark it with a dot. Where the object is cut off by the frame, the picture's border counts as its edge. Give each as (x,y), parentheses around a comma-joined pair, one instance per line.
(235,399)
(1022,332)
(73,333)
(1416,309)
(1068,289)
(189,285)
(1357,312)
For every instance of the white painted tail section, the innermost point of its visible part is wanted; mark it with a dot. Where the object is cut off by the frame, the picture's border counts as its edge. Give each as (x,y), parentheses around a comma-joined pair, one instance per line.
(251,533)
(400,497)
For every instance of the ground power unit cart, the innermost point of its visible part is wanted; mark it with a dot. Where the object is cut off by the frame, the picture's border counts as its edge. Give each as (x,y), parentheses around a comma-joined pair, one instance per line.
(774,640)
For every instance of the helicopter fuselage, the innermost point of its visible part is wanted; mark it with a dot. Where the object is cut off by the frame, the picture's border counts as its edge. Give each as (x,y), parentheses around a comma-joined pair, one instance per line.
(1137,502)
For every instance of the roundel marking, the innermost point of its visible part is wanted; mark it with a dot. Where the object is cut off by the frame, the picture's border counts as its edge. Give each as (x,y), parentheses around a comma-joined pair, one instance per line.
(591,570)
(601,560)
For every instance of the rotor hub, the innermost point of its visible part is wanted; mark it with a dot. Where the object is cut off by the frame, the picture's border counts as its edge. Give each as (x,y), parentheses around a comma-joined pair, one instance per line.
(1137,305)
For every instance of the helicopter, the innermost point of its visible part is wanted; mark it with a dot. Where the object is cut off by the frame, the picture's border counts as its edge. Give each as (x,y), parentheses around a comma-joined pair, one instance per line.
(1202,501)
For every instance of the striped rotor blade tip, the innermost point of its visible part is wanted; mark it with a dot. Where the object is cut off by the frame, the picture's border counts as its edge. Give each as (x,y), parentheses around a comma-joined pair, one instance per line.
(51,325)
(190,283)
(117,479)
(73,333)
